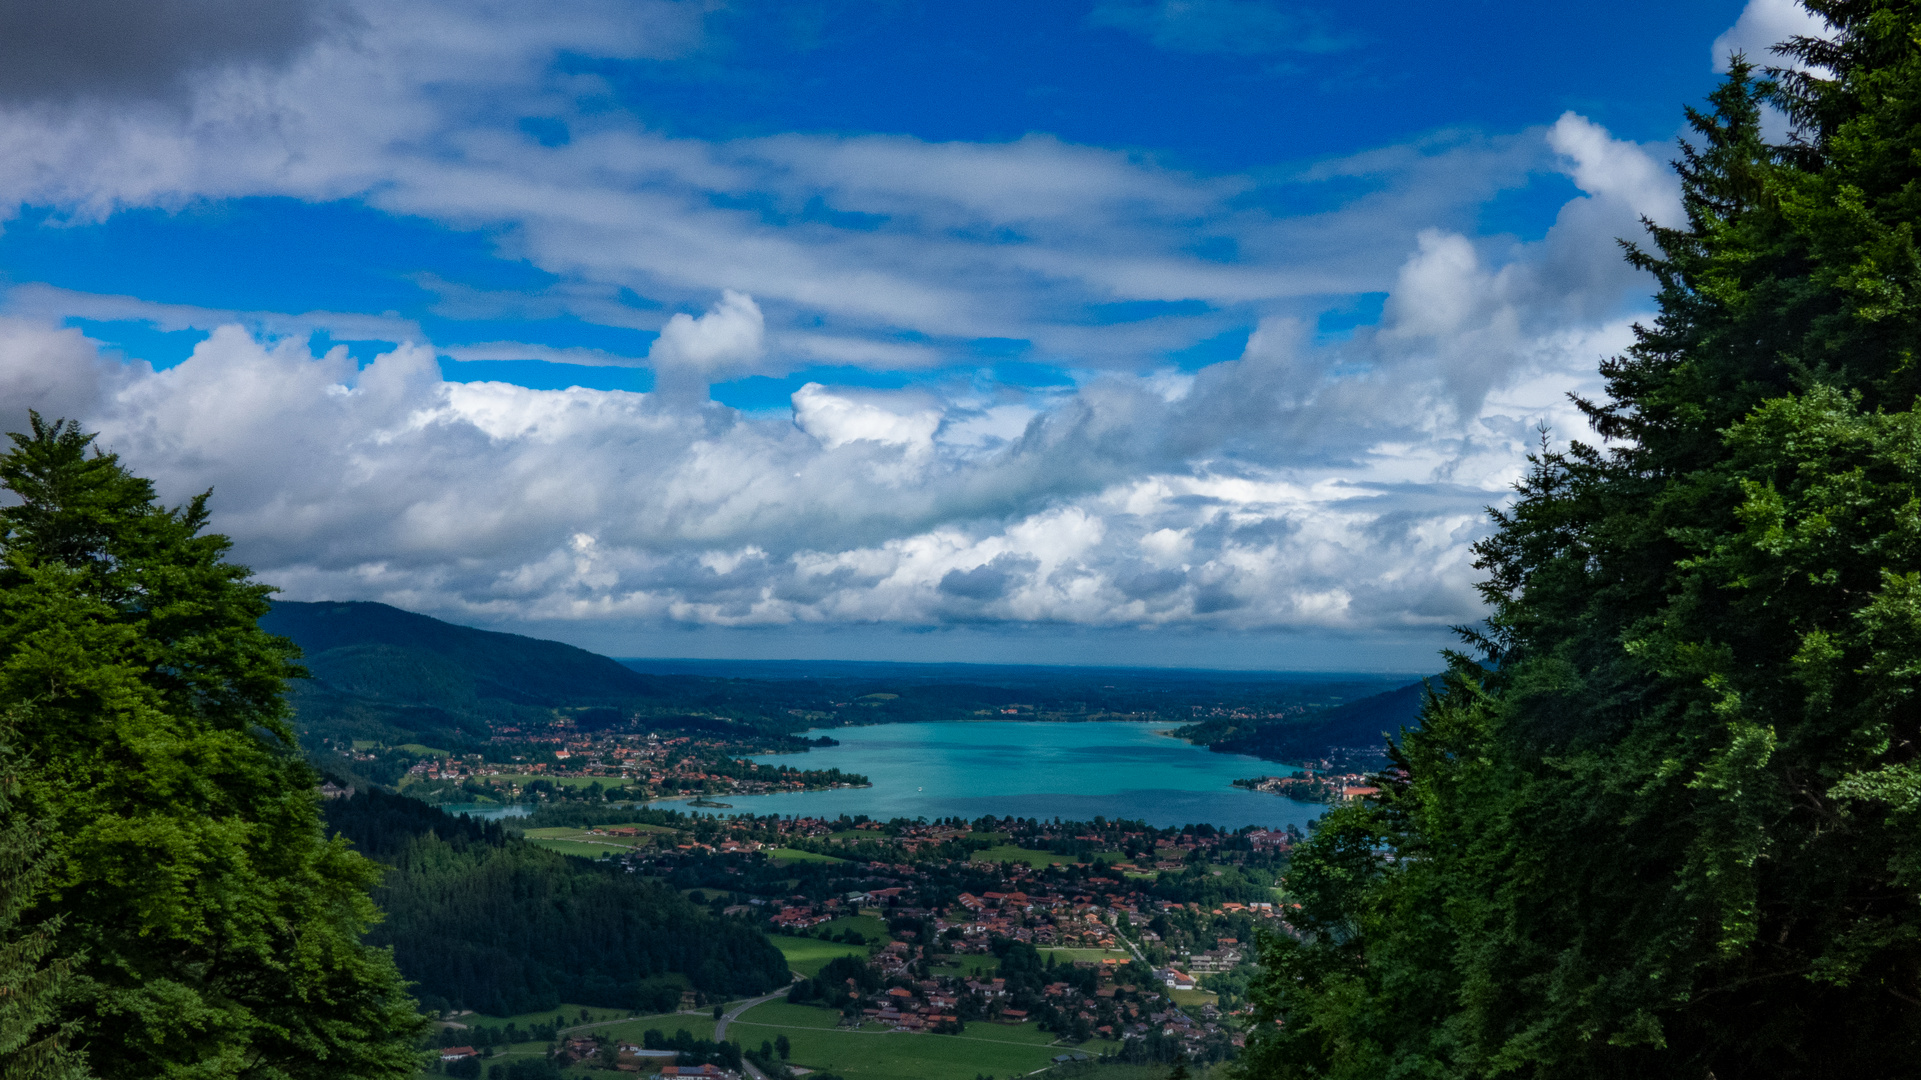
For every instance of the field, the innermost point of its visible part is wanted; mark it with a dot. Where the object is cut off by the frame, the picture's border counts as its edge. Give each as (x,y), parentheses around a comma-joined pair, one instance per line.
(1039,860)
(790,855)
(700,1024)
(1194,997)
(415,749)
(871,927)
(809,955)
(575,847)
(1062,956)
(571,841)
(876,1053)
(972,965)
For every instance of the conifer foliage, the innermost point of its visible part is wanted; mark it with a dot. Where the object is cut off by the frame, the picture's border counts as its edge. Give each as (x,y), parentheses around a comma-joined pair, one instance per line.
(34,983)
(1666,824)
(218,930)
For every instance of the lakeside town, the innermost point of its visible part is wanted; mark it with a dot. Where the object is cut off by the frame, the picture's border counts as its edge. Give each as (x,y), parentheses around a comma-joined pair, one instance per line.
(522,766)
(1111,942)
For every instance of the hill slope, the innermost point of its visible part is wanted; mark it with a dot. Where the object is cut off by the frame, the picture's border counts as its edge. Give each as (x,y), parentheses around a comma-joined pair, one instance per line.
(1359,727)
(389,676)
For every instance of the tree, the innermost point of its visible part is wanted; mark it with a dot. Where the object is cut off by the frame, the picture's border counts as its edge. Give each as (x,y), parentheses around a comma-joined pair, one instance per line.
(34,985)
(1664,824)
(221,929)
(783,1047)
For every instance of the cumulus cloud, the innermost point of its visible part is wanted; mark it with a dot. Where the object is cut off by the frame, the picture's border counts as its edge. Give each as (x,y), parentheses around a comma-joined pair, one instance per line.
(1763,25)
(1302,486)
(691,352)
(1306,484)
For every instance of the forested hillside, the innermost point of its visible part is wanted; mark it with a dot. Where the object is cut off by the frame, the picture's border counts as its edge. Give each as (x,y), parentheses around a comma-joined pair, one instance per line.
(480,920)
(392,676)
(1667,823)
(1357,729)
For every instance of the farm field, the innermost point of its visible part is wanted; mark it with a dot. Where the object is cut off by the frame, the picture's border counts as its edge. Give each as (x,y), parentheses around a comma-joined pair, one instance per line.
(870,927)
(1039,860)
(971,965)
(416,749)
(610,1022)
(1063,955)
(571,841)
(577,847)
(809,955)
(790,855)
(875,1053)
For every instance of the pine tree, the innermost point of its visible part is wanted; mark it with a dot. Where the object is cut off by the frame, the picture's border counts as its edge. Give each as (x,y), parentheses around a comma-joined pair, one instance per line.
(1666,824)
(34,983)
(221,930)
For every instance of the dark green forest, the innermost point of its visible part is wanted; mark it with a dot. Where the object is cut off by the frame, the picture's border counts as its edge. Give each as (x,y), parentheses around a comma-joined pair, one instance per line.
(480,920)
(1660,819)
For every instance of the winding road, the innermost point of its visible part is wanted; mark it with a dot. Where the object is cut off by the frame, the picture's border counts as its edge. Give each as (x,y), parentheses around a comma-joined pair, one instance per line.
(720,1025)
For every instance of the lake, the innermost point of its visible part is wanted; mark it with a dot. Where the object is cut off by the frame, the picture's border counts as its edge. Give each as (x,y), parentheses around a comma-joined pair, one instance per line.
(1037,770)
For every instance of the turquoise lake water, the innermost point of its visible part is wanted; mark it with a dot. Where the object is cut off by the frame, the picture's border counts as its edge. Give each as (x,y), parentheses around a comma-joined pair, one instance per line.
(1037,770)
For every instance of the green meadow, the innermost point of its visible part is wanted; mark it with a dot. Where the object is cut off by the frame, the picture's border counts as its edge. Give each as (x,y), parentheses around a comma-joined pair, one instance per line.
(792,855)
(871,927)
(1039,860)
(970,965)
(609,1022)
(809,955)
(877,1053)
(1064,955)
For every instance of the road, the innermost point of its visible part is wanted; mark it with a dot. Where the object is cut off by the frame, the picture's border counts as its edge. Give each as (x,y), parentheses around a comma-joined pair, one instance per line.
(720,1025)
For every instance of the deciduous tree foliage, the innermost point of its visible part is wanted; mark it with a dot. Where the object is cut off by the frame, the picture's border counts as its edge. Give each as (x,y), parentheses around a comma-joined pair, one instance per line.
(221,930)
(1668,825)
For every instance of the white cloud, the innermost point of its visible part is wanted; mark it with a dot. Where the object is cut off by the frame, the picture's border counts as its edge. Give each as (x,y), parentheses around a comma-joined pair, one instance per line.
(48,302)
(1764,24)
(1608,168)
(838,419)
(692,351)
(1302,485)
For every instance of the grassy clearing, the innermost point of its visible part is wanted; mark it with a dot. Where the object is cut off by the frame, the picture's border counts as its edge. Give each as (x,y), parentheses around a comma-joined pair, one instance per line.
(870,927)
(1063,955)
(1193,997)
(969,965)
(809,955)
(790,855)
(575,847)
(611,1022)
(582,836)
(877,1054)
(570,1015)
(1039,860)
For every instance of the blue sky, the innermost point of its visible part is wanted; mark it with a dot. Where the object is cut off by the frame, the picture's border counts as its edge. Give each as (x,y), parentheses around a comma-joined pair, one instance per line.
(1142,331)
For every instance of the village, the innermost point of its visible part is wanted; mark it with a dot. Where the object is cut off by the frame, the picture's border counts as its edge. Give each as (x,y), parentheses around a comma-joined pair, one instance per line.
(532,767)
(1308,785)
(1123,941)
